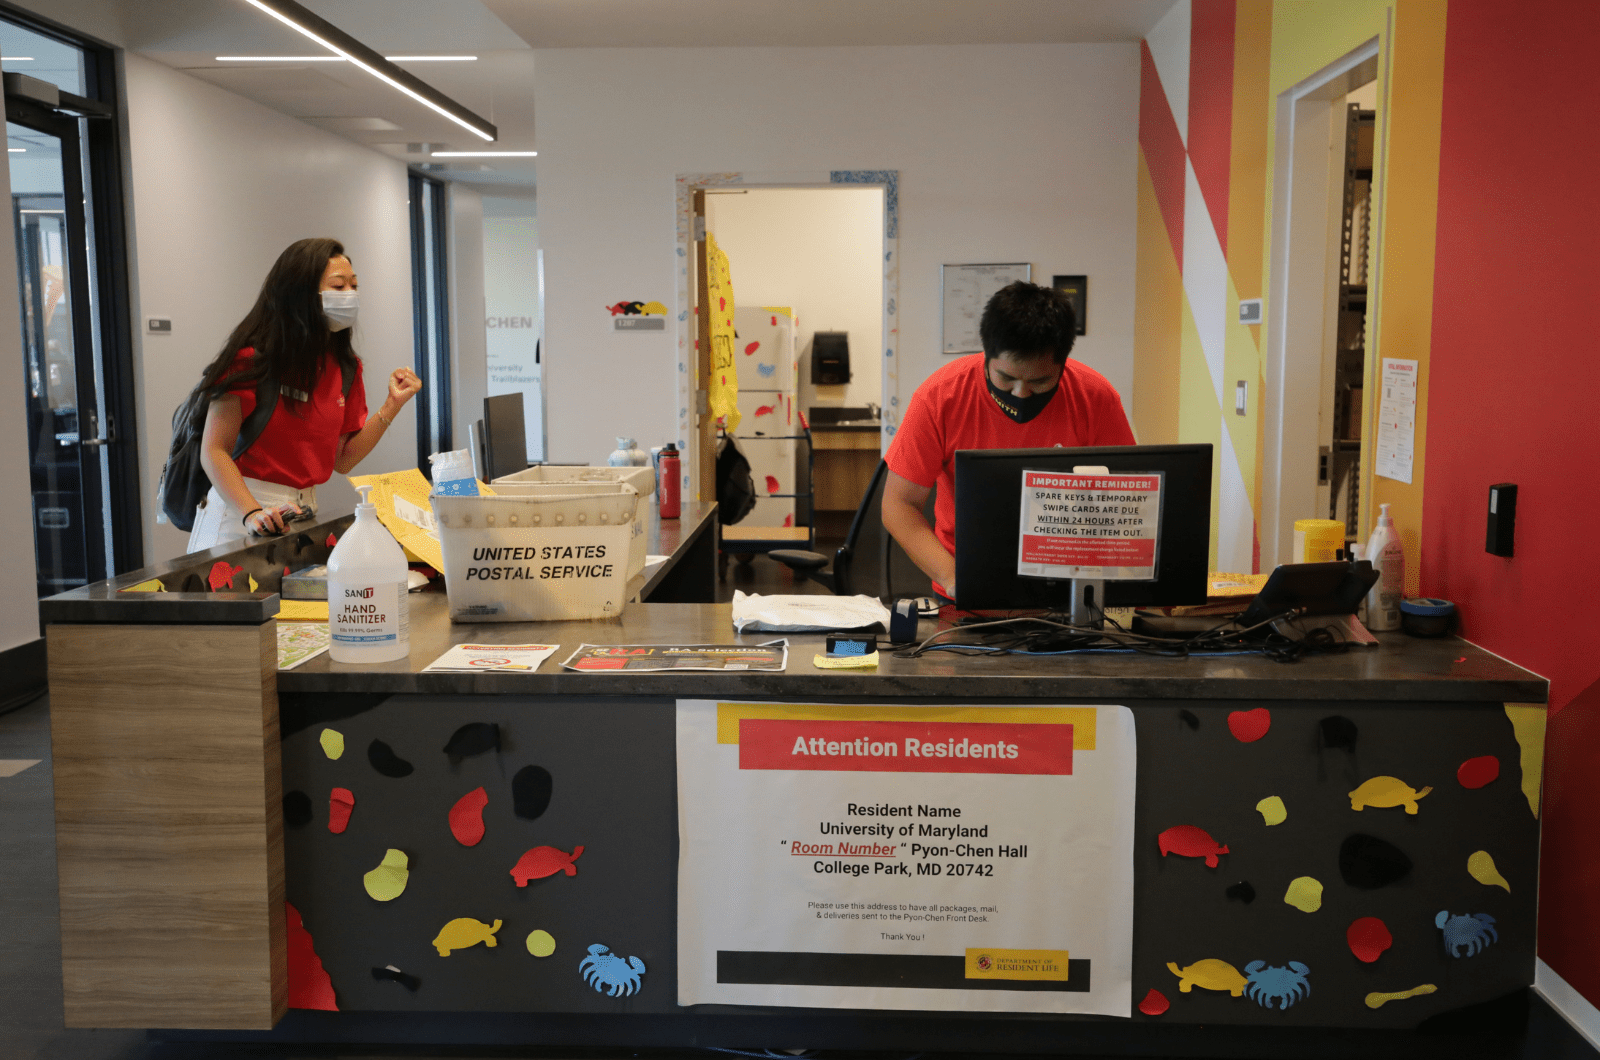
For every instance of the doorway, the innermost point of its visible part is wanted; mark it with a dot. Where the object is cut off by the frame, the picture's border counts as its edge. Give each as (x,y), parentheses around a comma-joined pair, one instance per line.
(1324,201)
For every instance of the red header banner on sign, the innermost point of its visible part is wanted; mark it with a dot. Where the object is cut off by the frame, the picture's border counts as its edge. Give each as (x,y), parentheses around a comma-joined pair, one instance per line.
(906,747)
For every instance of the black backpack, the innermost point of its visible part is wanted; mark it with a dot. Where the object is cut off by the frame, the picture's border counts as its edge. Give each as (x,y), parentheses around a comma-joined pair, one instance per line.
(736,491)
(184,483)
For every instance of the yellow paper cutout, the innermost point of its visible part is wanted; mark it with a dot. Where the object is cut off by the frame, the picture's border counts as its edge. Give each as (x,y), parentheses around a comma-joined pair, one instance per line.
(332,741)
(779,310)
(152,586)
(722,389)
(1376,1000)
(1386,792)
(303,611)
(653,309)
(1305,894)
(1481,867)
(388,880)
(846,662)
(463,932)
(410,485)
(1272,810)
(1211,974)
(1528,721)
(253,586)
(541,943)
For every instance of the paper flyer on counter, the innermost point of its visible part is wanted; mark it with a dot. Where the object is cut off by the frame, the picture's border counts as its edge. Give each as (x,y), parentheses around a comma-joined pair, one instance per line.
(511,658)
(644,658)
(944,858)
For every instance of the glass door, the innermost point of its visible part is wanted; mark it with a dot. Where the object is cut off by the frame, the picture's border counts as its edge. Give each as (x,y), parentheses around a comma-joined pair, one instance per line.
(60,377)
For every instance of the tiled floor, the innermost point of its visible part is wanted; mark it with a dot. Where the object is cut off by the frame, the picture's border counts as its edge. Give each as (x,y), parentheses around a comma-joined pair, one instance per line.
(30,953)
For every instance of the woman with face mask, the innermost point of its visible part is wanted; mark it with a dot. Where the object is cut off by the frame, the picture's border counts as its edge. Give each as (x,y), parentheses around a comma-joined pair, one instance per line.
(298,333)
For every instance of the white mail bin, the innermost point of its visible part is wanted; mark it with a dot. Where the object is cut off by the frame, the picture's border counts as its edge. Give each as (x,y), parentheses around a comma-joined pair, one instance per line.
(512,487)
(539,557)
(642,479)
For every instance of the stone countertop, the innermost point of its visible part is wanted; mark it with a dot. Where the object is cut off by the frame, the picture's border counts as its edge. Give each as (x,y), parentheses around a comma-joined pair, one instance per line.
(1401,669)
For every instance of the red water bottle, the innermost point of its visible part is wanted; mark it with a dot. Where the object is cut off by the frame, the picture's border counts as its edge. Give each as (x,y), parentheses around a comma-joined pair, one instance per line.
(671,487)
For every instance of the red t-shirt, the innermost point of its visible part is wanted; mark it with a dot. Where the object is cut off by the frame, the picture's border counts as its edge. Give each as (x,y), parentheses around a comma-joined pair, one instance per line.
(953,409)
(301,440)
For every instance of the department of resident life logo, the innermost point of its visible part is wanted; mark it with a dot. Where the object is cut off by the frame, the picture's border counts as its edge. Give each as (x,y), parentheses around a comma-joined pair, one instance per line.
(985,962)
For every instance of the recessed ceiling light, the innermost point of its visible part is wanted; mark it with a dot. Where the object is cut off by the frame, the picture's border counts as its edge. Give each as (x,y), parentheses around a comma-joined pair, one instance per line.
(482,154)
(340,58)
(17,150)
(329,36)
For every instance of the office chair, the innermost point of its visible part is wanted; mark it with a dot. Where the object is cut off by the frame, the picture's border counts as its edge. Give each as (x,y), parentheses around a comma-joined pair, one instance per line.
(870,562)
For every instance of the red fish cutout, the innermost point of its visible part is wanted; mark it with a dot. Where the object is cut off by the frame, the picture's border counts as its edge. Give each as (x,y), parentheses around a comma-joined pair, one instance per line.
(1191,842)
(774,321)
(222,575)
(540,862)
(341,803)
(331,541)
(788,520)
(1368,938)
(772,484)
(722,303)
(1248,726)
(286,572)
(309,985)
(1478,772)
(1154,1003)
(752,348)
(466,817)
(766,410)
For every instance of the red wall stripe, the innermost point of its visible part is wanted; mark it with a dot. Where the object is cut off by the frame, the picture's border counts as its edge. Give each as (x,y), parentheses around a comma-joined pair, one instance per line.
(1163,149)
(1211,105)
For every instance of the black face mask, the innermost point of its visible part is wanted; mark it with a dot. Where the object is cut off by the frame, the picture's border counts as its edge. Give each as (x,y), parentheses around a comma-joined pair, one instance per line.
(1020,409)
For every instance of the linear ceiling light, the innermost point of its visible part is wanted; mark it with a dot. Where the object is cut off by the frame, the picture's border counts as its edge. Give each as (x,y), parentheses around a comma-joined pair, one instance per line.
(482,154)
(340,58)
(347,47)
(16,58)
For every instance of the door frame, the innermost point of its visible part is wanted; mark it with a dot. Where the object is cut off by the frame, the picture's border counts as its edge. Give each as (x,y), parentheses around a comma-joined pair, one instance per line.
(687,185)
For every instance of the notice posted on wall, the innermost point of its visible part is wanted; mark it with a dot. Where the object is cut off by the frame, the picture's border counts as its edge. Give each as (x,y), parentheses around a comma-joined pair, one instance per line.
(1089,526)
(637,658)
(943,858)
(1397,419)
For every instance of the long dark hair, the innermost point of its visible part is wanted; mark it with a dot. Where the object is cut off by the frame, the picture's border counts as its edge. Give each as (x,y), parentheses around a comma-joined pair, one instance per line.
(286,326)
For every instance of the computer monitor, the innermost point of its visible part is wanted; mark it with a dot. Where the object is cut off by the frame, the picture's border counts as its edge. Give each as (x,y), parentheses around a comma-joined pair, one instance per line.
(1136,518)
(505,436)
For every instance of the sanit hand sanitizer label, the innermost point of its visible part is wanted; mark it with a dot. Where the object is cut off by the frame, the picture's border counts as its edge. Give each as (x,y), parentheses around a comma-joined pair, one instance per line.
(370,614)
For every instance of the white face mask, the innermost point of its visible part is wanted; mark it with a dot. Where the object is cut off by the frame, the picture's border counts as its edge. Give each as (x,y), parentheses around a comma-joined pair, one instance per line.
(340,308)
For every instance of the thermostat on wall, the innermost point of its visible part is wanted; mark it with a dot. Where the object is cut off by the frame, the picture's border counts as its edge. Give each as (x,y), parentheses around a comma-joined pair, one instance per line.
(1250,311)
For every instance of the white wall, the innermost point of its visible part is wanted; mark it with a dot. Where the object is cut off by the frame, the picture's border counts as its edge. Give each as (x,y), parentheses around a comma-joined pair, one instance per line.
(820,252)
(19,613)
(1005,153)
(512,311)
(220,185)
(469,382)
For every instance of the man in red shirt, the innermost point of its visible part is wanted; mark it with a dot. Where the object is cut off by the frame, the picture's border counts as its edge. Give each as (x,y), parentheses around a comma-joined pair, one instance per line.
(1021,393)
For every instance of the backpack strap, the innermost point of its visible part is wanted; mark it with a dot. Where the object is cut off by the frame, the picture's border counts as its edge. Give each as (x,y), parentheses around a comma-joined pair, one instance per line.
(266,403)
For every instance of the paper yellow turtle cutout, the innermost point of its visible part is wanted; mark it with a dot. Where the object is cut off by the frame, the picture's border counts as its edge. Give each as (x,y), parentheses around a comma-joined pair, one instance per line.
(1386,792)
(1209,974)
(463,932)
(1481,867)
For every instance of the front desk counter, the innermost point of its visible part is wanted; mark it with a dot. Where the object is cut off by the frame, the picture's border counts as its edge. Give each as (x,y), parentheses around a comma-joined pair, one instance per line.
(178,848)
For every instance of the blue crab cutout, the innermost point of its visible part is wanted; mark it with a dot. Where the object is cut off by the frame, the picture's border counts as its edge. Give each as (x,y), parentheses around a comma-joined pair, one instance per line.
(610,974)
(1470,931)
(1286,985)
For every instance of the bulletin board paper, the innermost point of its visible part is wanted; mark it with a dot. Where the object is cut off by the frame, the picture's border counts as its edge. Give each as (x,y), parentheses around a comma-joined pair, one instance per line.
(1397,419)
(967,289)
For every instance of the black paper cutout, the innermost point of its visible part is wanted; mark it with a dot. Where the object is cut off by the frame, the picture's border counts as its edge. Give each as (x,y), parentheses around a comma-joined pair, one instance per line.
(1338,731)
(410,982)
(1242,891)
(530,791)
(193,583)
(1189,719)
(1369,862)
(473,738)
(385,761)
(296,809)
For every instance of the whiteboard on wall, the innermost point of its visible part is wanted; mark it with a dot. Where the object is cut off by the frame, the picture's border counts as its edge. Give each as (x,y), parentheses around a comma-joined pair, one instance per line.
(966,290)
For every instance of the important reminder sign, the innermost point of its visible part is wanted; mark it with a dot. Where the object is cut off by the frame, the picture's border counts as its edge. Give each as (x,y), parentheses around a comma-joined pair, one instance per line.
(1089,526)
(966,858)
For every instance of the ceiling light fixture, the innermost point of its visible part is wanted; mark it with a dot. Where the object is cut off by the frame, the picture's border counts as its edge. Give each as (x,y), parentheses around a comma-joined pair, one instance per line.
(482,154)
(16,58)
(340,58)
(17,150)
(347,47)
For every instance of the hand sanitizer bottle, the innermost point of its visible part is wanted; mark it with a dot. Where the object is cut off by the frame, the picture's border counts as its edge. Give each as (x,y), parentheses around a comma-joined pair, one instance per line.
(1388,557)
(368,606)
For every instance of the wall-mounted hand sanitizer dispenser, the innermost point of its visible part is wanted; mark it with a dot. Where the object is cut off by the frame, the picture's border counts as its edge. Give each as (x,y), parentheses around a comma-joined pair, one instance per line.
(830,358)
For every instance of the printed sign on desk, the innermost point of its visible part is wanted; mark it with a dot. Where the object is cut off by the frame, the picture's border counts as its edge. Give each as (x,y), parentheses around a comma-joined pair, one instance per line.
(1089,526)
(949,858)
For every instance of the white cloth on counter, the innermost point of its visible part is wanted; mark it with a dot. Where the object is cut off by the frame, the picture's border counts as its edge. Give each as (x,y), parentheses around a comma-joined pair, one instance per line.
(807,614)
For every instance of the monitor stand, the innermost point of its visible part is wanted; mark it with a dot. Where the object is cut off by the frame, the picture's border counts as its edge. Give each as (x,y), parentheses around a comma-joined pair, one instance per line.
(1088,602)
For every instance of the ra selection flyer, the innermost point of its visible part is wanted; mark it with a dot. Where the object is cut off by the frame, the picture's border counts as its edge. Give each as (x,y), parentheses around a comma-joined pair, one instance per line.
(887,857)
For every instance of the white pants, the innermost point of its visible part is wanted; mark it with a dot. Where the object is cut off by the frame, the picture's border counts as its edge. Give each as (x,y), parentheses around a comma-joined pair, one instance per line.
(216,521)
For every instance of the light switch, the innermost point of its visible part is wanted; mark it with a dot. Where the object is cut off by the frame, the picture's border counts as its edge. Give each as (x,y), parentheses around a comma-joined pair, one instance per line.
(159,325)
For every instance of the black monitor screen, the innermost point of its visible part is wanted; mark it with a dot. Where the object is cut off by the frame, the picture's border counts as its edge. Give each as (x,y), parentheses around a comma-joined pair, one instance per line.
(1144,525)
(505,438)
